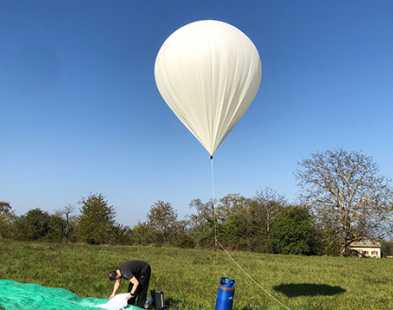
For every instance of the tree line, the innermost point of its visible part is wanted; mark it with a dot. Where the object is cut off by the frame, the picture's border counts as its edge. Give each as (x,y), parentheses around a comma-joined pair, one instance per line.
(343,199)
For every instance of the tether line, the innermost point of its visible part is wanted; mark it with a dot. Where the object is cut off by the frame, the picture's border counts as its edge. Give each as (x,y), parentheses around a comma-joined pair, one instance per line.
(252,278)
(213,189)
(218,244)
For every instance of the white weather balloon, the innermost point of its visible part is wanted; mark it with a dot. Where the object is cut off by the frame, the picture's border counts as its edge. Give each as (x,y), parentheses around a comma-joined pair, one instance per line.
(208,72)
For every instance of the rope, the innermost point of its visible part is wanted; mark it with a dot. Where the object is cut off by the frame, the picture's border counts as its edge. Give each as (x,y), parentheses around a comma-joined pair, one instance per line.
(216,273)
(213,188)
(252,279)
(217,243)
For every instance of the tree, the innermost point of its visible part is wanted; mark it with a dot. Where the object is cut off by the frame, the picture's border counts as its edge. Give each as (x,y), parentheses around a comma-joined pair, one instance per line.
(387,248)
(230,204)
(237,229)
(96,222)
(242,223)
(34,225)
(182,235)
(121,235)
(202,223)
(162,219)
(348,196)
(267,204)
(293,232)
(56,228)
(143,234)
(7,218)
(69,221)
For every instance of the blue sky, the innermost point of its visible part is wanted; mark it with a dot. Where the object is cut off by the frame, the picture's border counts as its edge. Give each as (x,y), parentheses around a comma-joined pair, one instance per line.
(80,112)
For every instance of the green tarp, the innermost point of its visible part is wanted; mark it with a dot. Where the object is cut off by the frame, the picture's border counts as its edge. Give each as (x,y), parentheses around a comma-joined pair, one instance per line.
(26,296)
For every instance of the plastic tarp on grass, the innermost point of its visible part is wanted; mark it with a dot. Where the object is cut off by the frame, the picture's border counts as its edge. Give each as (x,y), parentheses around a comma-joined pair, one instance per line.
(26,296)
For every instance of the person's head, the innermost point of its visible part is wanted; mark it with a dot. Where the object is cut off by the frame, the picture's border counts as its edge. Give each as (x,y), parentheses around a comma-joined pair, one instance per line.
(113,275)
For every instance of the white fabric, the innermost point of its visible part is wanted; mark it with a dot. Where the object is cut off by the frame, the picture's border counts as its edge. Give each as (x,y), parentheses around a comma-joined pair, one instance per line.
(118,302)
(208,72)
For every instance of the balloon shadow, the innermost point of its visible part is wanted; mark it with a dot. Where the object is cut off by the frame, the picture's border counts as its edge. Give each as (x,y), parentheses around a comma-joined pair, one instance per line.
(308,289)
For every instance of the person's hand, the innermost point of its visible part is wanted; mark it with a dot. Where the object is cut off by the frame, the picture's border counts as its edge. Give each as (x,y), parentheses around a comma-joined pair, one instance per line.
(111,296)
(130,295)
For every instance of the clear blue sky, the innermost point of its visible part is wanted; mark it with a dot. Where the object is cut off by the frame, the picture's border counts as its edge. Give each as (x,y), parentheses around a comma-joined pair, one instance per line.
(80,112)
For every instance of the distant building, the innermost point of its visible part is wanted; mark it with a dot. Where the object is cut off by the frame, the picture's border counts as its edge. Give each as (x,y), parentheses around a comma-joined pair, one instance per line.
(366,248)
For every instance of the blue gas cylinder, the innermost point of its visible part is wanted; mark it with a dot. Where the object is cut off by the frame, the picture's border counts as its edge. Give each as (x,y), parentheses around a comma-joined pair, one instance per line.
(225,294)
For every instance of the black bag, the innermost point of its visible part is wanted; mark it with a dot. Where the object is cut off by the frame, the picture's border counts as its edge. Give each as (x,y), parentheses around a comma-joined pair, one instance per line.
(158,300)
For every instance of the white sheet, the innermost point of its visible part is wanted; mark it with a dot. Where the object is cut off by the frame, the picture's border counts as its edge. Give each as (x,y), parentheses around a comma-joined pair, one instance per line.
(118,302)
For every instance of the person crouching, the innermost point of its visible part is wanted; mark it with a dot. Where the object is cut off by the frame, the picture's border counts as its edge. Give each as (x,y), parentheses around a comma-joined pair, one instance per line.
(137,273)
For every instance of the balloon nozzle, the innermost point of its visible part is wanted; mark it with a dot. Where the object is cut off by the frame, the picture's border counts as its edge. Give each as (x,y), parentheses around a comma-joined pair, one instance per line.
(211,156)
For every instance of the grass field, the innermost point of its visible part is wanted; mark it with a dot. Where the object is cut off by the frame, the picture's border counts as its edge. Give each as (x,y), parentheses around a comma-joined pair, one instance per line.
(189,277)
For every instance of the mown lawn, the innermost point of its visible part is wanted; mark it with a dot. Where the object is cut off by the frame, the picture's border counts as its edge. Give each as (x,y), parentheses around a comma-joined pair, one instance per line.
(189,277)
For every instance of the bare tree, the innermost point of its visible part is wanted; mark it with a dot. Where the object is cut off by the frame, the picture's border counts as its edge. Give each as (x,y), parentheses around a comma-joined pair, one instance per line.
(67,215)
(347,194)
(67,211)
(269,204)
(203,213)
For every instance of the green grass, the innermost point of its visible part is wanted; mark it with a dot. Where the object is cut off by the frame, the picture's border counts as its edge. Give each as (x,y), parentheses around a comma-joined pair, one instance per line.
(189,277)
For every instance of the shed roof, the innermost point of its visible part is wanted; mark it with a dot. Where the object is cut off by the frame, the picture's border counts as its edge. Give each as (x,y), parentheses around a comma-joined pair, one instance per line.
(366,244)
